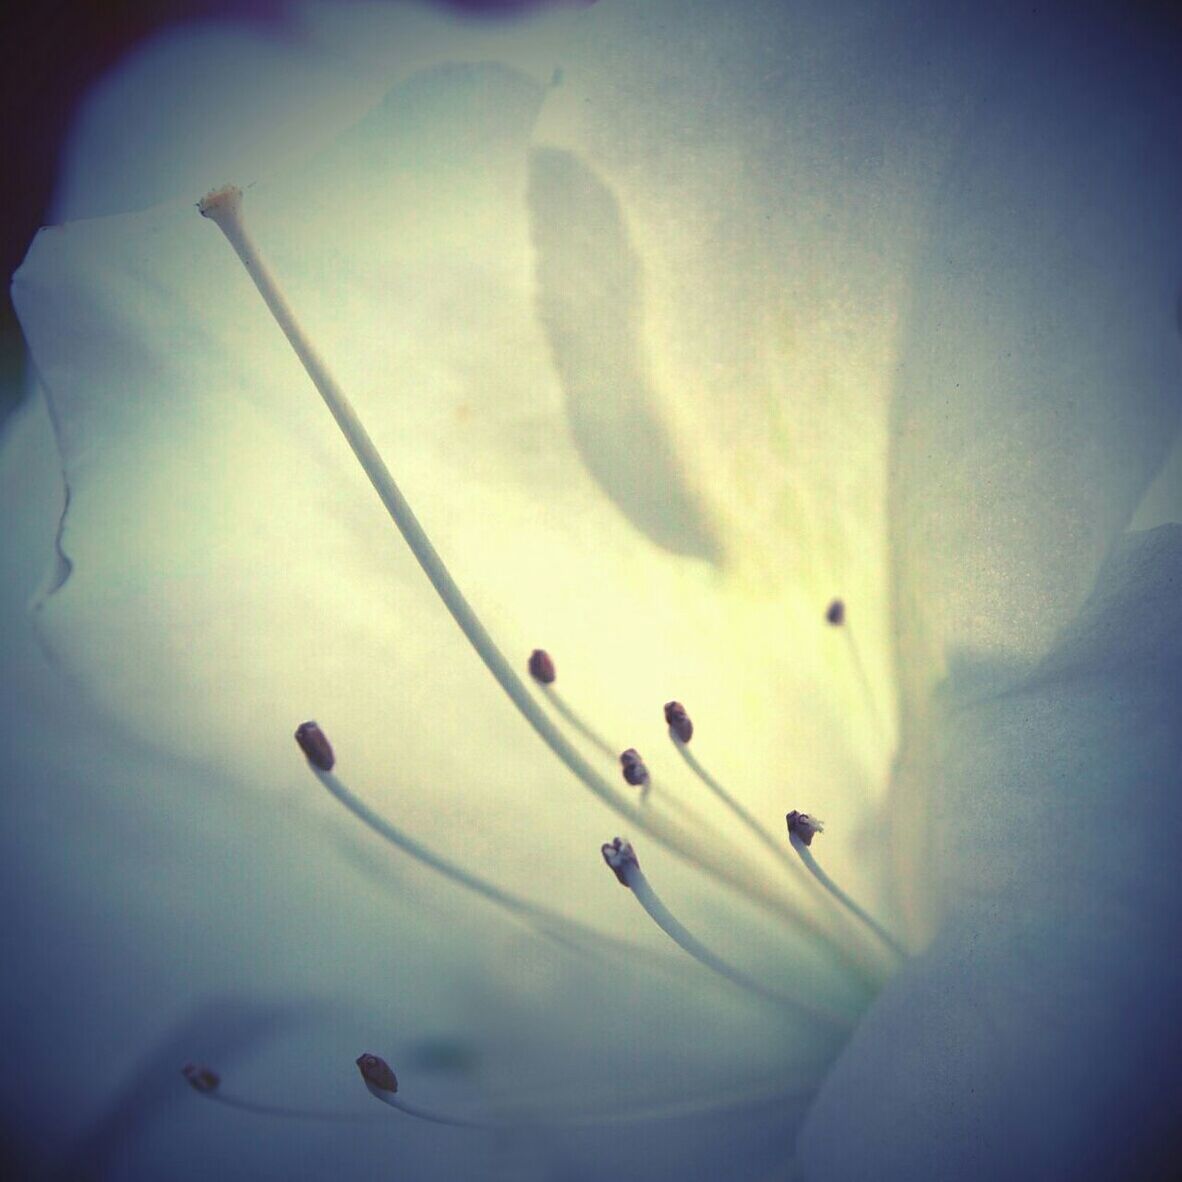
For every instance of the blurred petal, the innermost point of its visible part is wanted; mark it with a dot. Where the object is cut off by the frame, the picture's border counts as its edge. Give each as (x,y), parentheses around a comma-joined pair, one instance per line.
(1040,382)
(1038,1036)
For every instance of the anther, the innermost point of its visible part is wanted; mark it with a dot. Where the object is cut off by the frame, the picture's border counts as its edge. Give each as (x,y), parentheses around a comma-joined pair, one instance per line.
(541,667)
(835,613)
(315,745)
(679,721)
(633,768)
(621,857)
(201,1078)
(377,1073)
(804,826)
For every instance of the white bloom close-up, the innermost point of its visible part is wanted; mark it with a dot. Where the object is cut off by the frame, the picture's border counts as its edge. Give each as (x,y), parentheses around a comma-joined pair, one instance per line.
(809,371)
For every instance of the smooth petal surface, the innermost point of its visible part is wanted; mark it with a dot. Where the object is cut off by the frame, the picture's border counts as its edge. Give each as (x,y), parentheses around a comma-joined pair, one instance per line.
(1038,1036)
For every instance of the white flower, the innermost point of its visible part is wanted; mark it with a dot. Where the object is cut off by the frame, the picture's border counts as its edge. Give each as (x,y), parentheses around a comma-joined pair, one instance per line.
(674,323)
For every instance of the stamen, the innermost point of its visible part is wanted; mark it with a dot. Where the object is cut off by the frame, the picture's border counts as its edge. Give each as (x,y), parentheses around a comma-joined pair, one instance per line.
(736,808)
(634,769)
(623,863)
(541,668)
(383,1085)
(836,615)
(206,1082)
(224,208)
(557,927)
(802,828)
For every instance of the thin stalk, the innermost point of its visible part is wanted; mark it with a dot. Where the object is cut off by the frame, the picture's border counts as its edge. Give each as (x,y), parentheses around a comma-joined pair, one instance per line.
(858,912)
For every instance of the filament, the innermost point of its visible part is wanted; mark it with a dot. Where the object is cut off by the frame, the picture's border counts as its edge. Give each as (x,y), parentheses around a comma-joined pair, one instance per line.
(428,1114)
(649,791)
(622,860)
(800,845)
(576,722)
(727,799)
(257,1109)
(838,617)
(207,1082)
(382,1084)
(224,208)
(549,923)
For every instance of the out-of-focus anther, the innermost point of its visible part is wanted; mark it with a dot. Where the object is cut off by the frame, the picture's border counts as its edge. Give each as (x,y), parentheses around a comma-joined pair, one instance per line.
(804,826)
(541,666)
(377,1073)
(633,768)
(679,721)
(315,745)
(835,613)
(201,1078)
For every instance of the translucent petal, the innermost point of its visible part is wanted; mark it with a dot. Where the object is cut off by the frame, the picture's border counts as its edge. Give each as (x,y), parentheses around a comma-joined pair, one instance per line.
(1037,1036)
(175,516)
(142,889)
(659,452)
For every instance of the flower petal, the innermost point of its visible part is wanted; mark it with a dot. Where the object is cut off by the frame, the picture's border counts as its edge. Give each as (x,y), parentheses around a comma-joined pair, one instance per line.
(257,573)
(1037,1037)
(1040,381)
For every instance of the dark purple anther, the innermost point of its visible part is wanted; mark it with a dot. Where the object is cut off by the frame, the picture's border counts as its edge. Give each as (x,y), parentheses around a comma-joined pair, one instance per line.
(633,766)
(541,667)
(376,1071)
(804,826)
(679,722)
(621,857)
(201,1079)
(835,613)
(315,746)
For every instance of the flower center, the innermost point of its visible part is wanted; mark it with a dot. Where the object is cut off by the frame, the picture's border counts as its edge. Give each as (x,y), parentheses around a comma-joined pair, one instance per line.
(853,949)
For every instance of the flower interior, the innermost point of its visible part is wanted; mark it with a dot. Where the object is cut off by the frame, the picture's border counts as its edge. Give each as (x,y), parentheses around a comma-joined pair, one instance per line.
(845,934)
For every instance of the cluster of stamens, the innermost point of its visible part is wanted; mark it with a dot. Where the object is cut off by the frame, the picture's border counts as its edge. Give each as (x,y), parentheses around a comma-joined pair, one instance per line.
(694,839)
